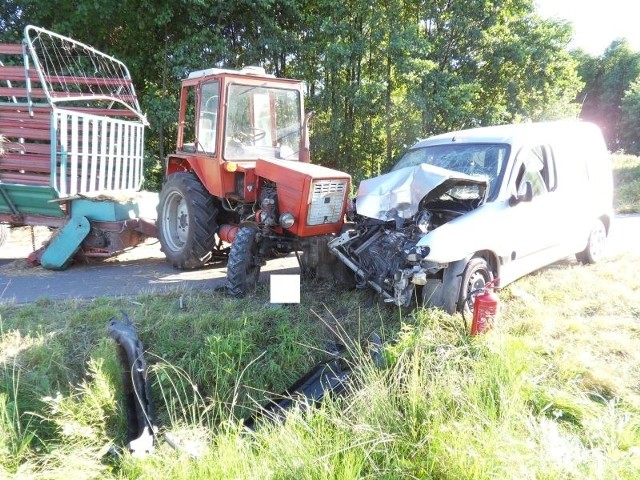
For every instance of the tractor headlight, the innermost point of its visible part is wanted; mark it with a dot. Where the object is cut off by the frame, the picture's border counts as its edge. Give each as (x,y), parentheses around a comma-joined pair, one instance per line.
(287,220)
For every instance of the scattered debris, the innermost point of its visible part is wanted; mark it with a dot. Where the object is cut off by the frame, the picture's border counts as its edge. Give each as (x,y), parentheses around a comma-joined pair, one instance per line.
(137,390)
(193,442)
(329,377)
(324,378)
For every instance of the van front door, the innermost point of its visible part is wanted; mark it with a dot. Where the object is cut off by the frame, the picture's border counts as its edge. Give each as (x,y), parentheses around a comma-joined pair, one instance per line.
(534,223)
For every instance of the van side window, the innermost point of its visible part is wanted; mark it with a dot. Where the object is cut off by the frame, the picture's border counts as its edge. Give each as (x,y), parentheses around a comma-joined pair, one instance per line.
(536,167)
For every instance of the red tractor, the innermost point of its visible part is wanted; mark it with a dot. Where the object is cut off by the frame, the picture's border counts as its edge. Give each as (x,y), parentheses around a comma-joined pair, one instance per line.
(241,176)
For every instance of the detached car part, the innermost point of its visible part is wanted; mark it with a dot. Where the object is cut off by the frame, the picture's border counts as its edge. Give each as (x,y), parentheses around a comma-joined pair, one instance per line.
(137,389)
(329,377)
(322,380)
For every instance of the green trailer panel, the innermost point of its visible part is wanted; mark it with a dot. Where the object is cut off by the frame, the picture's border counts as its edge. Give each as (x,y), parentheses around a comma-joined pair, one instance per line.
(29,200)
(63,246)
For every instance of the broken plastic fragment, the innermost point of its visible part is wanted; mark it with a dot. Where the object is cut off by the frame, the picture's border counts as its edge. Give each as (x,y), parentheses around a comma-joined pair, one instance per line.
(136,388)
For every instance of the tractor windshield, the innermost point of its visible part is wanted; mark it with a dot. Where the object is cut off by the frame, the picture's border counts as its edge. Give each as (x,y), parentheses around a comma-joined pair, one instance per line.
(262,122)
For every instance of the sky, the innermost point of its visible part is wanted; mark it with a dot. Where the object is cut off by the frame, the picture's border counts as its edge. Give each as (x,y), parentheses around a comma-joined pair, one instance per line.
(596,23)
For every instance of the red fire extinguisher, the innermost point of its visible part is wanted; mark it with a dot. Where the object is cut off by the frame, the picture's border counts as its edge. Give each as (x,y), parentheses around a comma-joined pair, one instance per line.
(485,308)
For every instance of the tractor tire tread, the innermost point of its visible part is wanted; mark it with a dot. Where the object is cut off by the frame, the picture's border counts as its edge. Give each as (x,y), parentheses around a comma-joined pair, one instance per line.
(240,262)
(205,213)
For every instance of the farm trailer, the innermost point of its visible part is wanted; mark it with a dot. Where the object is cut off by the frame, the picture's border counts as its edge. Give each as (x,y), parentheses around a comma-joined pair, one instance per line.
(73,147)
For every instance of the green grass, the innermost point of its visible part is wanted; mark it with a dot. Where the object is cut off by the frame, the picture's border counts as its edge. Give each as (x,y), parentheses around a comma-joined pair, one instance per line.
(626,177)
(551,392)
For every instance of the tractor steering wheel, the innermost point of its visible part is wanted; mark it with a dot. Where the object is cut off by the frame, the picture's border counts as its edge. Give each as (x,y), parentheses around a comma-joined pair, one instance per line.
(250,135)
(210,107)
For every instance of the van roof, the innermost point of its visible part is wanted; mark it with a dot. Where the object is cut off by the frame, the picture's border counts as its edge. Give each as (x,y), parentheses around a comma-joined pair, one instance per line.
(515,133)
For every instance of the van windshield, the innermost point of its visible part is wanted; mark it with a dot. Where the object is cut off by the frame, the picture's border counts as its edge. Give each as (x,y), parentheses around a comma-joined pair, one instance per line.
(485,160)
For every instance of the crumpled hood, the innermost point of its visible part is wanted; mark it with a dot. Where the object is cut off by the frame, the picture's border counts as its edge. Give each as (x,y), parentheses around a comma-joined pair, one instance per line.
(399,193)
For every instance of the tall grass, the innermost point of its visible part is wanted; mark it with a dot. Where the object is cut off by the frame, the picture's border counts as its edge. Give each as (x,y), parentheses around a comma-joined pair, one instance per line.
(550,392)
(626,175)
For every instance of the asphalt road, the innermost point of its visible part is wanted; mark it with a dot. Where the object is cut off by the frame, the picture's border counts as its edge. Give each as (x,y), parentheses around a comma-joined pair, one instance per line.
(144,270)
(140,270)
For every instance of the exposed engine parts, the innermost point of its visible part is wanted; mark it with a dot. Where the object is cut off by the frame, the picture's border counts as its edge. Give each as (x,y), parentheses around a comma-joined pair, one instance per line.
(268,204)
(385,255)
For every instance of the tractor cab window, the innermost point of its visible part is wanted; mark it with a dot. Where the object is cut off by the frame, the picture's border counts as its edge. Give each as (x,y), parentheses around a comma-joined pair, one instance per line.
(188,124)
(262,122)
(208,116)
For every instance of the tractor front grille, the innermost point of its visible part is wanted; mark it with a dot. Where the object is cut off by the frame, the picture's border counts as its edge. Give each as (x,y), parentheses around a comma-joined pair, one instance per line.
(327,200)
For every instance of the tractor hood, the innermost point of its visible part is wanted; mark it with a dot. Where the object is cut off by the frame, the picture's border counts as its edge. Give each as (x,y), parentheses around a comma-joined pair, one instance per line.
(399,192)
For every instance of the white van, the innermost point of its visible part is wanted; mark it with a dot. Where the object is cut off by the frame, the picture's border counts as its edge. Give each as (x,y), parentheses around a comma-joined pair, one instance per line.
(460,208)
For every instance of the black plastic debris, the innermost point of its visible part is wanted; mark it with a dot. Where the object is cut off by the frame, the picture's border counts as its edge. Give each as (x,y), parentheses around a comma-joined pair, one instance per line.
(137,389)
(325,378)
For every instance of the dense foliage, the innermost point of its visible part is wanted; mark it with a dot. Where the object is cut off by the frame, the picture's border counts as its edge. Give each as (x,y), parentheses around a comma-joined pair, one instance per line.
(378,77)
(610,97)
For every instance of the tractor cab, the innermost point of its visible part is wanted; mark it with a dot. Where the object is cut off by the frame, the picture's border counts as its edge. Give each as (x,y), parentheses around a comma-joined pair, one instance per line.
(229,119)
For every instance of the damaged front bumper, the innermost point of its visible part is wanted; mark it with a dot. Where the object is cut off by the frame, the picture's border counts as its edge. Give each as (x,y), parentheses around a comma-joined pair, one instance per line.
(399,285)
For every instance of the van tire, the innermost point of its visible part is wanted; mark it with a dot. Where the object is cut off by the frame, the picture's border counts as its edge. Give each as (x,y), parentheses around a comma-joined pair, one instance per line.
(594,251)
(476,275)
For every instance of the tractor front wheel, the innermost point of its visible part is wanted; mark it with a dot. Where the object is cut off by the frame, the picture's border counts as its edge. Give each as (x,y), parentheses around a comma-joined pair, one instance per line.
(243,266)
(186,221)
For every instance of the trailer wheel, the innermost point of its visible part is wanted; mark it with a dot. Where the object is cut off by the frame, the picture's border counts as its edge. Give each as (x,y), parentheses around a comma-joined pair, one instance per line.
(4,233)
(243,266)
(186,221)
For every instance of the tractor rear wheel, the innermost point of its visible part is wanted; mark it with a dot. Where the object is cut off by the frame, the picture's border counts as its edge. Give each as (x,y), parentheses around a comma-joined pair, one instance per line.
(186,221)
(243,266)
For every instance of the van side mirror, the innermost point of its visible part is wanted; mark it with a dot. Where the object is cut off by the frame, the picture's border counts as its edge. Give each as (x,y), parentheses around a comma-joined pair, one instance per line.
(524,194)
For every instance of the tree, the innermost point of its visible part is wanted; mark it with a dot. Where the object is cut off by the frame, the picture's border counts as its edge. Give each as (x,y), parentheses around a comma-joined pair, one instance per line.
(379,76)
(607,78)
(629,126)
(11,21)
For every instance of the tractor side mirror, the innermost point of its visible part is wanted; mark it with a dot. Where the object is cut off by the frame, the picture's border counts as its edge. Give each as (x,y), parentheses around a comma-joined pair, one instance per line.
(305,150)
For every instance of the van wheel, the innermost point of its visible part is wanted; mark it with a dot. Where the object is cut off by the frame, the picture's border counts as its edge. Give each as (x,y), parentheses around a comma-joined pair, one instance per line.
(594,250)
(186,221)
(475,276)
(243,266)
